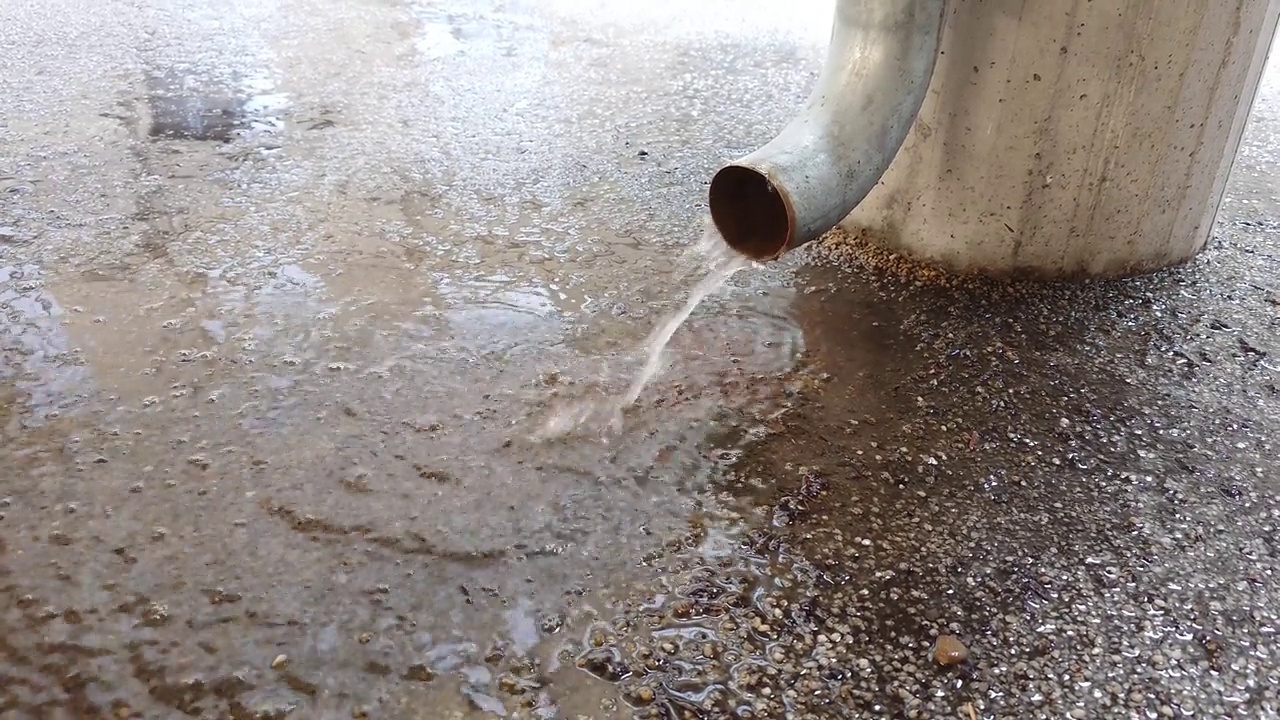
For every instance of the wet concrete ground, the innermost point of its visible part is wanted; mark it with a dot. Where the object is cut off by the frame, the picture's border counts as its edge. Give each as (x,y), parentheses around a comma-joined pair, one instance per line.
(286,286)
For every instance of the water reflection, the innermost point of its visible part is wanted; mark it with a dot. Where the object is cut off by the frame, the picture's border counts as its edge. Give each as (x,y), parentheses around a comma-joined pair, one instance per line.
(186,106)
(37,356)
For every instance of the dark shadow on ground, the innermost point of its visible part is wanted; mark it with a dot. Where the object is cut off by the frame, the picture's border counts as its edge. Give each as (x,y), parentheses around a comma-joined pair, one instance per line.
(1079,482)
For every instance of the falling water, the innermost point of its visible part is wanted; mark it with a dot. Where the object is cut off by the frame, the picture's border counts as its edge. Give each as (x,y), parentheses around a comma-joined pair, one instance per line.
(721,262)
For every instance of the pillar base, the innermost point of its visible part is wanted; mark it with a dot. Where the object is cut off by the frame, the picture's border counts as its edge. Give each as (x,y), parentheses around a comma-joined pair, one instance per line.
(1073,139)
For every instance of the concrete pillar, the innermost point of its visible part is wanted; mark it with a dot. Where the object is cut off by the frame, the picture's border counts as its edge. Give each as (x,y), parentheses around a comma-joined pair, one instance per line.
(1073,137)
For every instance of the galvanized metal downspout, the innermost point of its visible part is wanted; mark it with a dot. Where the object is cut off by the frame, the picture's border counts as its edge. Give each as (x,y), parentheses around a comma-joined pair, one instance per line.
(826,160)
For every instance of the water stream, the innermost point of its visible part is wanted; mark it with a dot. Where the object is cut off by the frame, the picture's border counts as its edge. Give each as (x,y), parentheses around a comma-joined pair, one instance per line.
(721,263)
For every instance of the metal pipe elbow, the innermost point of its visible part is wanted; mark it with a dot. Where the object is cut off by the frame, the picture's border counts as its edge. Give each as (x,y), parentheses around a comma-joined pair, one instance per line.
(826,160)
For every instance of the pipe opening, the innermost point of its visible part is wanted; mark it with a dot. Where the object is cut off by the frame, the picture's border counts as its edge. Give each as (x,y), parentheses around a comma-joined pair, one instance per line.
(751,214)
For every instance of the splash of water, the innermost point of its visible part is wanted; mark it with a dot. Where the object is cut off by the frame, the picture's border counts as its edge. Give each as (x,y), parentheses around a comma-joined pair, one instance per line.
(722,262)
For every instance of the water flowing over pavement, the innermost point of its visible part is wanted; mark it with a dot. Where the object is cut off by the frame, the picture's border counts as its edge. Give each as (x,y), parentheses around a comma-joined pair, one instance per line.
(287,286)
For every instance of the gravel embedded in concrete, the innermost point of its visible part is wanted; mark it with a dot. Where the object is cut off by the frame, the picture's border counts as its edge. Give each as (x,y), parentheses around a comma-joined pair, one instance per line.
(271,305)
(1079,481)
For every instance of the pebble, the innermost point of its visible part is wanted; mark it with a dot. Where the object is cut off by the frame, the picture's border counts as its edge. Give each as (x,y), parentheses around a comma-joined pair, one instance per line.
(948,650)
(419,672)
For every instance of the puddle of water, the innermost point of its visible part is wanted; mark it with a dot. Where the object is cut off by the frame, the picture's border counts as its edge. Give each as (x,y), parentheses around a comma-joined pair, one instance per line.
(722,263)
(186,106)
(605,415)
(36,355)
(302,378)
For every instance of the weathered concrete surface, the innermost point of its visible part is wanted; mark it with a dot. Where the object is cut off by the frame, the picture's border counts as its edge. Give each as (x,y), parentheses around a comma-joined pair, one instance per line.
(281,280)
(1078,138)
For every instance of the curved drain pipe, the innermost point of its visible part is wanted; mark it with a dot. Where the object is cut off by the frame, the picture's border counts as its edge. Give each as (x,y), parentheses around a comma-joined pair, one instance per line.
(826,160)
